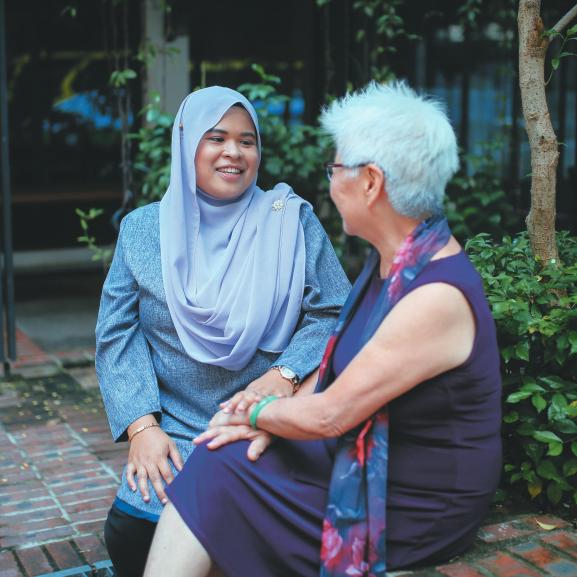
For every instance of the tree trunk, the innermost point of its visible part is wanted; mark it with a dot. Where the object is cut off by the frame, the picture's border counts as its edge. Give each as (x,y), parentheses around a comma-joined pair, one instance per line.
(542,140)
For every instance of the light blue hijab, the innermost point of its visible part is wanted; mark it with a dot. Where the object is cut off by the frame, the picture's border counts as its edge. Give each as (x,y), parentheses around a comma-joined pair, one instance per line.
(233,270)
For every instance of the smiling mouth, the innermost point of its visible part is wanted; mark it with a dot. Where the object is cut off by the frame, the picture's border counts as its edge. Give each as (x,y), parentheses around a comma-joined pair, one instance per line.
(229,170)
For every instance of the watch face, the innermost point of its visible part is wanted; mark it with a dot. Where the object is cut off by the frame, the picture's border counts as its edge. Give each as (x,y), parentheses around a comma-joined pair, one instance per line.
(287,373)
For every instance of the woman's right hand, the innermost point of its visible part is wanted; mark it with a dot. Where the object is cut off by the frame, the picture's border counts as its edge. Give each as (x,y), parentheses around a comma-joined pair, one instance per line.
(148,459)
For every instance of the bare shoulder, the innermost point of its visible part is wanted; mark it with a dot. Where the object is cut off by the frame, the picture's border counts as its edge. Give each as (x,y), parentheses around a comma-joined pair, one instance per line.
(435,318)
(438,303)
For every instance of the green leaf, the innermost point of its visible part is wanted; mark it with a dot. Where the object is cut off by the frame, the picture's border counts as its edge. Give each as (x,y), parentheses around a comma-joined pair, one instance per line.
(522,350)
(555,449)
(554,493)
(566,426)
(532,386)
(572,31)
(546,437)
(573,341)
(553,382)
(570,468)
(547,470)
(518,396)
(555,63)
(511,417)
(539,402)
(535,451)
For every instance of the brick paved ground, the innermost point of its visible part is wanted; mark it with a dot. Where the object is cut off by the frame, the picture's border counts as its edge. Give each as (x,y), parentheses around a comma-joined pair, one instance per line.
(59,470)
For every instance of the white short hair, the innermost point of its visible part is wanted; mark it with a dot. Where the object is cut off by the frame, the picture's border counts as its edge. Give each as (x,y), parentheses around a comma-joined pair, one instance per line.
(407,135)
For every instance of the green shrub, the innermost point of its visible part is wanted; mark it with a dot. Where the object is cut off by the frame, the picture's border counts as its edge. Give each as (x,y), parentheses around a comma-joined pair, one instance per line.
(535,310)
(475,200)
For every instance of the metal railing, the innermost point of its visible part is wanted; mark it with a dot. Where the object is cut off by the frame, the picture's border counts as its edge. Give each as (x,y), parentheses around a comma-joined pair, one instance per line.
(7,314)
(98,569)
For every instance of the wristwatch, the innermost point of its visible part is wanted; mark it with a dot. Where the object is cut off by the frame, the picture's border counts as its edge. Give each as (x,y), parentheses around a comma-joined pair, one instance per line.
(289,375)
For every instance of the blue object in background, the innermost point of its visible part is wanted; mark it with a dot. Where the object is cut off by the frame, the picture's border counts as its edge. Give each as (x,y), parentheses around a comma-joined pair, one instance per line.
(90,107)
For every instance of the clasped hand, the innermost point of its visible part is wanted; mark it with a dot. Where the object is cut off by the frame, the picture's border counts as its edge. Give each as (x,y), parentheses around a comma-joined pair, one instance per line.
(229,427)
(232,423)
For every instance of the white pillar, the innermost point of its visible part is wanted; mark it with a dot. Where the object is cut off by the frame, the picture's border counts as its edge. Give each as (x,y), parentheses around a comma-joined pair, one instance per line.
(167,73)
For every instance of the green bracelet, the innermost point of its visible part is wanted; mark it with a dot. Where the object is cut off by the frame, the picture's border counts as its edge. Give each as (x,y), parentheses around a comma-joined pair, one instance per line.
(259,407)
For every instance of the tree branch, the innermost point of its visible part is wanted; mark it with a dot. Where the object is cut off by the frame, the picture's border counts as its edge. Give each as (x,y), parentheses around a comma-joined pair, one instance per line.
(565,20)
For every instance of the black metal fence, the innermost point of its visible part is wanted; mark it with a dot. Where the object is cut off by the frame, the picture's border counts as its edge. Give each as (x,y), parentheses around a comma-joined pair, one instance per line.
(7,315)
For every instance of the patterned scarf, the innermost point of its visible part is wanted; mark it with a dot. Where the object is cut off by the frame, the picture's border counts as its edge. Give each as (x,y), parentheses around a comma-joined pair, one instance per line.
(353,540)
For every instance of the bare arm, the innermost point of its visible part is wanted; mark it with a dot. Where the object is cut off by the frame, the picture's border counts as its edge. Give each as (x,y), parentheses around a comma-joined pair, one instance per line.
(222,433)
(428,332)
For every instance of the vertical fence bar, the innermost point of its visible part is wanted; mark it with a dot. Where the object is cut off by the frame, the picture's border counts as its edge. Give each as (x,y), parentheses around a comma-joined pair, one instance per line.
(9,351)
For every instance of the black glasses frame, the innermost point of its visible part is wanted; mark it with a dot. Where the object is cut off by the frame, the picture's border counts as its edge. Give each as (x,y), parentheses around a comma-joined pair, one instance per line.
(330,166)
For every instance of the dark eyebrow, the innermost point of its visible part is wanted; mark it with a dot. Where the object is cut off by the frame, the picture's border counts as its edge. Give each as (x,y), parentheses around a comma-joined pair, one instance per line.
(220,131)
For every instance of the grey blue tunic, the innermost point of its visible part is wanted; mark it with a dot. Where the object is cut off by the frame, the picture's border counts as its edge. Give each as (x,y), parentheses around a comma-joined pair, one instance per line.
(141,365)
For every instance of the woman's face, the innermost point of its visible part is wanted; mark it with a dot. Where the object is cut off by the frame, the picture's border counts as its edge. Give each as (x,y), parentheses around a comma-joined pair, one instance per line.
(227,156)
(344,191)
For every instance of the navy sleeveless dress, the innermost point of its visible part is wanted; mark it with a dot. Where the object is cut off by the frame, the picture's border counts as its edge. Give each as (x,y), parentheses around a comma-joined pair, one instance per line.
(264,519)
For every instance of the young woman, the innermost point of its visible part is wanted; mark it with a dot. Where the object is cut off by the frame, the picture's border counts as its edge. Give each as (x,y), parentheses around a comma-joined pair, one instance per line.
(219,288)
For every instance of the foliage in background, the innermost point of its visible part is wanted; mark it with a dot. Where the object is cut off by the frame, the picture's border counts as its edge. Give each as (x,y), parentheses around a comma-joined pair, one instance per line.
(535,310)
(152,158)
(476,201)
(99,253)
(561,52)
(377,28)
(293,153)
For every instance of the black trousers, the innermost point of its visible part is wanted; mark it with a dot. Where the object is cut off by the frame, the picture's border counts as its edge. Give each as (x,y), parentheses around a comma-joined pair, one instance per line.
(128,541)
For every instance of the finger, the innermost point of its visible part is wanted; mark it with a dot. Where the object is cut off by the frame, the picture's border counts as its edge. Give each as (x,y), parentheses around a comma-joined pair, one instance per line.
(130,470)
(247,401)
(207,435)
(230,405)
(219,418)
(175,457)
(143,484)
(230,435)
(165,471)
(157,484)
(258,447)
(240,400)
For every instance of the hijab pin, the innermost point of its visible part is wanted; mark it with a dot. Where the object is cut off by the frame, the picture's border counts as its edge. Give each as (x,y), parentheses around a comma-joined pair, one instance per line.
(277,205)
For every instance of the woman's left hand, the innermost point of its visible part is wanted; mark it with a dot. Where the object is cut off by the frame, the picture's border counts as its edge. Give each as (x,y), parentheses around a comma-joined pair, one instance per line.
(220,435)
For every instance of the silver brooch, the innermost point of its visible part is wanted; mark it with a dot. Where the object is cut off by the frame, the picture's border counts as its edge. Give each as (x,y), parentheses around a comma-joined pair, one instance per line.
(277,205)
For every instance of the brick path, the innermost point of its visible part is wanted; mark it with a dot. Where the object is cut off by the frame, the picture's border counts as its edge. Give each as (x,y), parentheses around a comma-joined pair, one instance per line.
(58,475)
(59,470)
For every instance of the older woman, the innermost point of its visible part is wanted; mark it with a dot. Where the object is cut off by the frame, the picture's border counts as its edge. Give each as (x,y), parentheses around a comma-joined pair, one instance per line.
(220,287)
(392,462)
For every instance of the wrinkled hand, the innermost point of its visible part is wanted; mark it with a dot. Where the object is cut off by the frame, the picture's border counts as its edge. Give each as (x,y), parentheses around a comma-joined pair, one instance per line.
(220,435)
(148,459)
(271,383)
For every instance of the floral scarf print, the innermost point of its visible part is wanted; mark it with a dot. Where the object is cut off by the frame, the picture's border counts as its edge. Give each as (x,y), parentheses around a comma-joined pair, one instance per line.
(353,539)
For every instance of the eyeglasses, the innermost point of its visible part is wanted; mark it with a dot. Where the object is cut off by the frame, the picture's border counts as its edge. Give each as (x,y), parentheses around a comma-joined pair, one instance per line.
(330,167)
